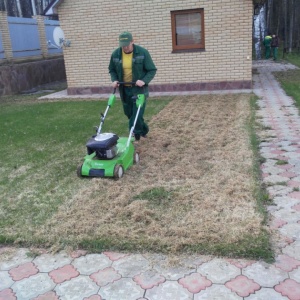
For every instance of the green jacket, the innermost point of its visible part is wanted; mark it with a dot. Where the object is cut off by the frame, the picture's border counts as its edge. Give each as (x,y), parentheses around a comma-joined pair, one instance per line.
(143,68)
(267,41)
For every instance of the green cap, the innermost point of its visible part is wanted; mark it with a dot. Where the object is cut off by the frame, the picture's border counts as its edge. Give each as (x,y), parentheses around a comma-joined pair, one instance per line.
(125,38)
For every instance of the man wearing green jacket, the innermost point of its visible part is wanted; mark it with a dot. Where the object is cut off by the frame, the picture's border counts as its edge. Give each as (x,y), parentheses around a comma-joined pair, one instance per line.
(132,63)
(267,44)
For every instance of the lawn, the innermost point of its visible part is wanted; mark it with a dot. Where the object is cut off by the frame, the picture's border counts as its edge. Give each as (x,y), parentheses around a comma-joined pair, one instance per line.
(290,80)
(197,187)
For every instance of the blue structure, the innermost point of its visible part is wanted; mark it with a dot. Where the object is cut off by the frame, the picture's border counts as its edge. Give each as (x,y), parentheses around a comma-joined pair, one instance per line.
(24,37)
(1,48)
(50,25)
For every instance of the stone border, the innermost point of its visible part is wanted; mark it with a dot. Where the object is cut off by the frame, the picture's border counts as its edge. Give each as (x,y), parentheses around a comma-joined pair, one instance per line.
(179,87)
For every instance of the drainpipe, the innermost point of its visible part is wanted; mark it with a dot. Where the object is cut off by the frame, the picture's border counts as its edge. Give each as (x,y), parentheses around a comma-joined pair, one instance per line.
(5,5)
(33,7)
(19,8)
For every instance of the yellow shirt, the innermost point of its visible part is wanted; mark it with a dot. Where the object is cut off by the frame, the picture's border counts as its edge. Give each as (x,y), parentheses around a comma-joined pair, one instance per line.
(127,66)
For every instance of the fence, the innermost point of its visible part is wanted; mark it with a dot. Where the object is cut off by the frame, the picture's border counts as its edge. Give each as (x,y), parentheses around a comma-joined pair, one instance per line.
(28,57)
(24,38)
(1,48)
(49,28)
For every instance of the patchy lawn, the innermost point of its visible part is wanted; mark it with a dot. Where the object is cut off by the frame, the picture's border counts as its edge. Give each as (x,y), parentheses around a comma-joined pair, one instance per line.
(195,189)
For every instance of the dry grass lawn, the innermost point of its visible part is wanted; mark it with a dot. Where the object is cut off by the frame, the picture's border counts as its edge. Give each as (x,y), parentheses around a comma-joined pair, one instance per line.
(194,184)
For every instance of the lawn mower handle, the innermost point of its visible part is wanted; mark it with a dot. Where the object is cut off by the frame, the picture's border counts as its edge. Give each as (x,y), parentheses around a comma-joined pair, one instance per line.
(127,82)
(122,83)
(131,83)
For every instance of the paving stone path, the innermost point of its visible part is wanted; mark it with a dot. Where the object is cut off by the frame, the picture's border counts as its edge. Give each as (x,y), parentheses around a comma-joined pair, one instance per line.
(118,276)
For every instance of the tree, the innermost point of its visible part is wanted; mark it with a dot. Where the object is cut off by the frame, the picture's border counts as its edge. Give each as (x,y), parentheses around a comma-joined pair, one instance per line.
(281,20)
(291,28)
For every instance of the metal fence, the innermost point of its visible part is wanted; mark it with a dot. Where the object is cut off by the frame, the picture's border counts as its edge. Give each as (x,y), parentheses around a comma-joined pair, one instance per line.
(25,38)
(2,56)
(50,25)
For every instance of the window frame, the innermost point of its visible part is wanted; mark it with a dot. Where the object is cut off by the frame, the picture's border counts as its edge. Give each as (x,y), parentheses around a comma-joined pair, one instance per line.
(187,48)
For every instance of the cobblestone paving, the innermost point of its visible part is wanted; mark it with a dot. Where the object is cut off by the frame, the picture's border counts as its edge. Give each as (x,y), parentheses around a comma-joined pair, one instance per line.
(119,276)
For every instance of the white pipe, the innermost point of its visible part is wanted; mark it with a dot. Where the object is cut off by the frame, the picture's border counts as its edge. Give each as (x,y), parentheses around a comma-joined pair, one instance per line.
(5,5)
(19,8)
(33,7)
(132,128)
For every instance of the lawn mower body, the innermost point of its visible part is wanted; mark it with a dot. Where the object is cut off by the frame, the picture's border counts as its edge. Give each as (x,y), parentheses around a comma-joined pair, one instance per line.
(124,158)
(107,154)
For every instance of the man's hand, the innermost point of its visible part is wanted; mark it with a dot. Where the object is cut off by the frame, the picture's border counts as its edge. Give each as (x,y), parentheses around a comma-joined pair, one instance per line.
(140,83)
(115,84)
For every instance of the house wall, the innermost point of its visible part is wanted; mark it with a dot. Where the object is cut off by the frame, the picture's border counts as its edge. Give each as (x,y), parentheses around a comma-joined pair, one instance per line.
(93,28)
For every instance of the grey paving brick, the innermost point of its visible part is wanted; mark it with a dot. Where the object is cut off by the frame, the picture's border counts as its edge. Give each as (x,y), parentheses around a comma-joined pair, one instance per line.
(48,262)
(218,271)
(5,280)
(125,289)
(264,274)
(291,230)
(276,179)
(217,292)
(293,250)
(91,263)
(20,258)
(33,286)
(289,215)
(77,288)
(174,273)
(266,294)
(131,265)
(295,274)
(169,290)
(285,202)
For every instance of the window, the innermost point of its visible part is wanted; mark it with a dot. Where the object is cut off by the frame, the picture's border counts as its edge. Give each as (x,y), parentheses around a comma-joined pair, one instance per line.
(187,29)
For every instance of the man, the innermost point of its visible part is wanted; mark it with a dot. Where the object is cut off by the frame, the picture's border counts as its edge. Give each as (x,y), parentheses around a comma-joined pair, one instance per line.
(267,44)
(132,63)
(274,46)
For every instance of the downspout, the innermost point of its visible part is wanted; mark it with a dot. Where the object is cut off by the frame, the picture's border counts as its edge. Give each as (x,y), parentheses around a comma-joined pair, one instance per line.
(5,5)
(19,8)
(33,7)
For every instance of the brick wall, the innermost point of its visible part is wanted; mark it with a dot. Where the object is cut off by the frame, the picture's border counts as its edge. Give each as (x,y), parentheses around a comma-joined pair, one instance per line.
(5,35)
(93,27)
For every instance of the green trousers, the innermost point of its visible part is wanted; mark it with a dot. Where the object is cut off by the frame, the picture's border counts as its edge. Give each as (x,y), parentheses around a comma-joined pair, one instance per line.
(275,52)
(268,52)
(130,110)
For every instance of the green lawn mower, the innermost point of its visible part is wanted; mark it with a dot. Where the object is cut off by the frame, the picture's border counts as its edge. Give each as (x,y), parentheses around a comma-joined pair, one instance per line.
(107,154)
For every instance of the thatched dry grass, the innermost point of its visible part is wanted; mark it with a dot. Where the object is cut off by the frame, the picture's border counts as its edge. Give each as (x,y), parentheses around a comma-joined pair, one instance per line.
(198,156)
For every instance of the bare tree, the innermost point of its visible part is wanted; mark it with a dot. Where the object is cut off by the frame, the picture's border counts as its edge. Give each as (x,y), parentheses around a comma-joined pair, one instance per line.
(269,12)
(291,27)
(283,20)
(285,17)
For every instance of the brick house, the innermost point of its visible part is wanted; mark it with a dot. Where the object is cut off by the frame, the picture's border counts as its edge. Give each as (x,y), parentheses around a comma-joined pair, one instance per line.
(195,44)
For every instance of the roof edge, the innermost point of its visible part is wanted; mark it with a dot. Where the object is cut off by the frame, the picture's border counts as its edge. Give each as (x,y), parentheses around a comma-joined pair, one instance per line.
(51,9)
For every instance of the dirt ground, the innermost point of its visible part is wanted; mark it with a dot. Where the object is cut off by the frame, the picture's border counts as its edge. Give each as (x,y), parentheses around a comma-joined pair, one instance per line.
(193,185)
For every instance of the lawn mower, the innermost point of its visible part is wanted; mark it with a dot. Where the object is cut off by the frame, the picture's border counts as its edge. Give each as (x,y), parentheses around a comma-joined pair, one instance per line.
(107,154)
